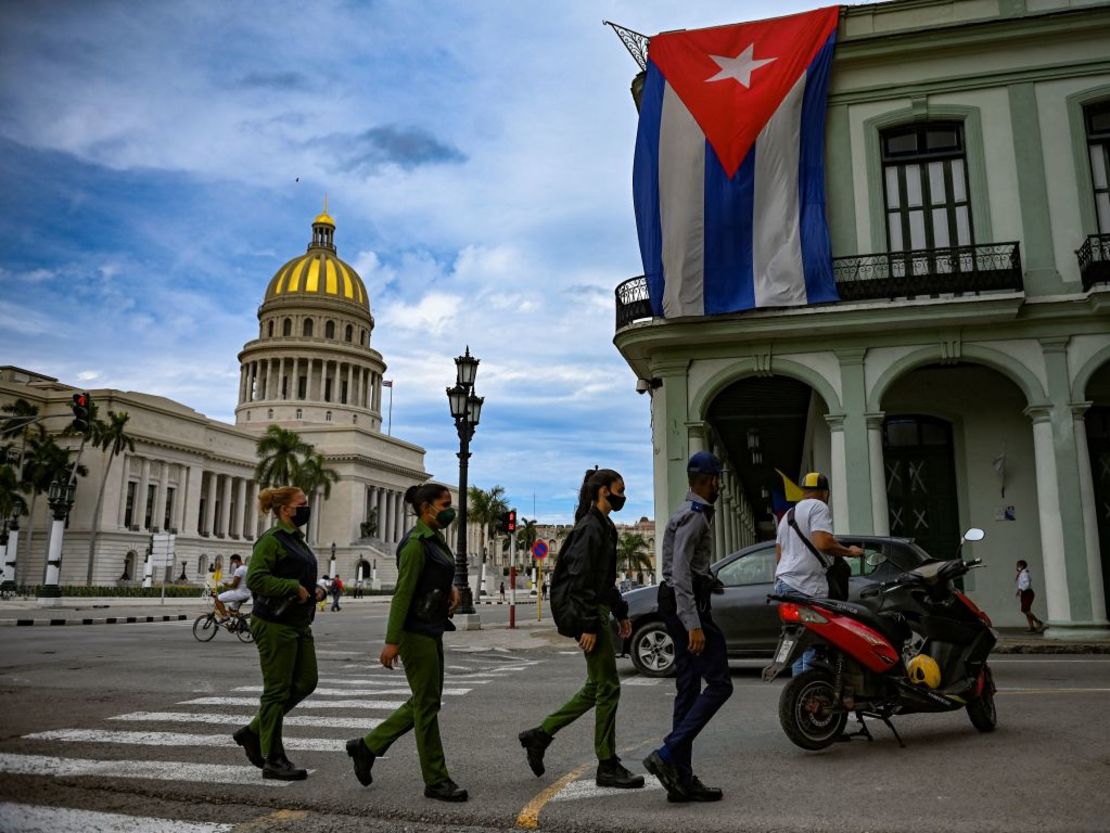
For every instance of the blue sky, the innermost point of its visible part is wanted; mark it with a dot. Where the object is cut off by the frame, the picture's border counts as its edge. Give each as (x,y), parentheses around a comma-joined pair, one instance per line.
(477,158)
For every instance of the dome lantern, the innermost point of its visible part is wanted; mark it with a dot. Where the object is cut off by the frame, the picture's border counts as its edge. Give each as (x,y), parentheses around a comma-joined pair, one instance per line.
(323,230)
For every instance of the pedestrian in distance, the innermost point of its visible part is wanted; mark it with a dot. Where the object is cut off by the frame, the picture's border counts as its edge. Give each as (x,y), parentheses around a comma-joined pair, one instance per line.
(502,591)
(685,600)
(237,591)
(798,570)
(1026,595)
(336,591)
(583,595)
(323,591)
(424,599)
(282,578)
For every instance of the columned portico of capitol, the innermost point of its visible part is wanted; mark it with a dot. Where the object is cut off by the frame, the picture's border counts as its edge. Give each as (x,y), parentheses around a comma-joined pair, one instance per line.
(312,370)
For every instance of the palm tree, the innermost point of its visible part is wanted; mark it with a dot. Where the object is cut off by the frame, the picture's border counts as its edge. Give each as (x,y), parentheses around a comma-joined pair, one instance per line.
(632,554)
(484,507)
(18,420)
(314,475)
(111,438)
(279,451)
(11,500)
(44,461)
(526,534)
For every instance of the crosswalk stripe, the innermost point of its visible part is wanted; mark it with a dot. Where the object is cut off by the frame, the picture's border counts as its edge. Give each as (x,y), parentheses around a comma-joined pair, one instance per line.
(366,681)
(27,818)
(368,692)
(305,704)
(13,764)
(175,739)
(306,720)
(588,788)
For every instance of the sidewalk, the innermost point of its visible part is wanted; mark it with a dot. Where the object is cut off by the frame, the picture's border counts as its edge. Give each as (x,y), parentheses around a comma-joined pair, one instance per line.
(1020,641)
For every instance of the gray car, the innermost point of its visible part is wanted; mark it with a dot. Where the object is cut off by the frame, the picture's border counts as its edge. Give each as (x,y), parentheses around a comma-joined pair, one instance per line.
(751,625)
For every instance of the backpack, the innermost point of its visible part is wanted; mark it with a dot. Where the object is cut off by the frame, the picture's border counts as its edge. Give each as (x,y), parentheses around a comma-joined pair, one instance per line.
(561,591)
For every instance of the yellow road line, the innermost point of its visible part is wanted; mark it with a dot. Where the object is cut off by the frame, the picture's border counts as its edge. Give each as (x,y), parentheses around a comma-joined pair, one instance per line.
(529,818)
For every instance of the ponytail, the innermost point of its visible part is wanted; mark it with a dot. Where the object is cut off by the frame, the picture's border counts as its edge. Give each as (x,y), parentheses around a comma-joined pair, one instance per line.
(417,496)
(591,485)
(271,500)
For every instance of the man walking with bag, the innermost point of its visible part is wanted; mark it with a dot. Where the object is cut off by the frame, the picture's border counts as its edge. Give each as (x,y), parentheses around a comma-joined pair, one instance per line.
(699,644)
(806,549)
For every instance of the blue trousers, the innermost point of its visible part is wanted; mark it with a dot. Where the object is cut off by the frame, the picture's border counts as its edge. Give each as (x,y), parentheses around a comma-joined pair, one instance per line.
(695,706)
(805,661)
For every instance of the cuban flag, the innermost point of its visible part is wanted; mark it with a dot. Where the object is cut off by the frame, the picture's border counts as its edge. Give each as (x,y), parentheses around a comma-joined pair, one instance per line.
(729,174)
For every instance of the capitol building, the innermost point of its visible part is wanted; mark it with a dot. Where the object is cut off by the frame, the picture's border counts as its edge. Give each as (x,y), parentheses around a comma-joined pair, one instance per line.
(311,369)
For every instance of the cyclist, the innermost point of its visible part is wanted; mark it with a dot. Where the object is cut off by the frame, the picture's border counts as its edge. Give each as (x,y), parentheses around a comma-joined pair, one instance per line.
(237,591)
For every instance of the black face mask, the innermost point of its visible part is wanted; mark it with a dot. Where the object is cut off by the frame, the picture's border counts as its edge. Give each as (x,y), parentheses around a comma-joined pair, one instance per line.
(301,515)
(616,502)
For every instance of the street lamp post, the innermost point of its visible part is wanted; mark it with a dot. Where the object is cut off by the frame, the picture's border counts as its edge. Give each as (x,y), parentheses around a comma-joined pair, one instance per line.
(12,530)
(466,408)
(331,566)
(60,497)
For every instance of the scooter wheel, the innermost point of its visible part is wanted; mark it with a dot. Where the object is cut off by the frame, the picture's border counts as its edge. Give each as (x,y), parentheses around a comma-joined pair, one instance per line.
(981,710)
(808,711)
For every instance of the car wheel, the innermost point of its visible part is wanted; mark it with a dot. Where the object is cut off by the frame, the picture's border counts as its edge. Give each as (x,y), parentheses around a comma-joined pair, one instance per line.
(652,650)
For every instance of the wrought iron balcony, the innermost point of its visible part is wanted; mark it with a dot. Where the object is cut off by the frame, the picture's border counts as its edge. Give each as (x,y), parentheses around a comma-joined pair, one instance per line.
(633,303)
(954,270)
(1094,260)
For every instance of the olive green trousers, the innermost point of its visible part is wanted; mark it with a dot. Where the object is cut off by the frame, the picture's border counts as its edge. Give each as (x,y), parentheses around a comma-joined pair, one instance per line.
(287,655)
(601,692)
(422,657)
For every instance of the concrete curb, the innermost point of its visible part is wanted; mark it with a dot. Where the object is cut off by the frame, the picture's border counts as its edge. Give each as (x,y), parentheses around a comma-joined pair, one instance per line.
(107,620)
(1050,646)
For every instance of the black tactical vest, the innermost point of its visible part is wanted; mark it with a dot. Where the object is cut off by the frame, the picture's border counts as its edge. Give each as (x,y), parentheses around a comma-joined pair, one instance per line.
(431,600)
(299,563)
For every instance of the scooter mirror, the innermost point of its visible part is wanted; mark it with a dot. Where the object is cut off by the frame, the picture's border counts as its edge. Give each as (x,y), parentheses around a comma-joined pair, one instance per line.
(974,534)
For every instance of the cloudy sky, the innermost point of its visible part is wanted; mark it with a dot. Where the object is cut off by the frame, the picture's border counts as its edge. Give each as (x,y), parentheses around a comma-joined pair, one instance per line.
(477,158)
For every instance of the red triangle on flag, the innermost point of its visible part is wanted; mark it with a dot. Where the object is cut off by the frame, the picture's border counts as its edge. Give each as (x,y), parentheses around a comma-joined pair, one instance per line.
(733,78)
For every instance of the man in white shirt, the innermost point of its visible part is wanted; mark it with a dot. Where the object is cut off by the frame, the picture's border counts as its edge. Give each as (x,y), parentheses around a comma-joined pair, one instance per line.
(237,591)
(1026,594)
(797,570)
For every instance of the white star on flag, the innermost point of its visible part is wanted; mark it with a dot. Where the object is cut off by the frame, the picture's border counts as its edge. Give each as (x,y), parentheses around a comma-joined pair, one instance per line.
(739,68)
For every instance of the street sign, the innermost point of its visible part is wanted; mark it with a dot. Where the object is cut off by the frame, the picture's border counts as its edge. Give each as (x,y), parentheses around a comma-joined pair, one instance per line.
(162,550)
(539,550)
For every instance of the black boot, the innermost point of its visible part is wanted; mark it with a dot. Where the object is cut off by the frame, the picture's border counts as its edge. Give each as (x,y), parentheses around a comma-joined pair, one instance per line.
(280,768)
(252,745)
(535,743)
(611,773)
(363,760)
(668,776)
(697,791)
(445,791)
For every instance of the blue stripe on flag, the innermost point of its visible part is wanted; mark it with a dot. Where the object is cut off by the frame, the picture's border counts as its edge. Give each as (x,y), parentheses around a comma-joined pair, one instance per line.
(728,285)
(645,186)
(816,249)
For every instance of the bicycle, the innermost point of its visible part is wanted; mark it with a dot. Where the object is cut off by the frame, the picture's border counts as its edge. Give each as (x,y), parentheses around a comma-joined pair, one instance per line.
(206,625)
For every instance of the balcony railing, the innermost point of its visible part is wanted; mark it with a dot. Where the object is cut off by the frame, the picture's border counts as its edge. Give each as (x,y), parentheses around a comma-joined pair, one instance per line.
(633,303)
(954,270)
(1094,260)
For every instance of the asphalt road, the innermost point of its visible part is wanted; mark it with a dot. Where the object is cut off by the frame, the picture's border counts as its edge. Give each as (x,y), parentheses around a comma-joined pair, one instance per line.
(133,722)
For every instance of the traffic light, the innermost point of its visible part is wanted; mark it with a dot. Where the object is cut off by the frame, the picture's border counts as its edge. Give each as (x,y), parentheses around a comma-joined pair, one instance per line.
(502,524)
(510,521)
(82,405)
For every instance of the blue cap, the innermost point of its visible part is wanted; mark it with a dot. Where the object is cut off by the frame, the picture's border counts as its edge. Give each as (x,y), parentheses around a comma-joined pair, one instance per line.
(703,463)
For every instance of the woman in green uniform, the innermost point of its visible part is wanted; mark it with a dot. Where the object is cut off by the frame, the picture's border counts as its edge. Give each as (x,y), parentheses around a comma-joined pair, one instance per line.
(423,601)
(282,578)
(583,594)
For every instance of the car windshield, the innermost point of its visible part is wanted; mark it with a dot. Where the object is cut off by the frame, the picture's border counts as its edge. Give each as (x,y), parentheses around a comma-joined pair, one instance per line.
(906,555)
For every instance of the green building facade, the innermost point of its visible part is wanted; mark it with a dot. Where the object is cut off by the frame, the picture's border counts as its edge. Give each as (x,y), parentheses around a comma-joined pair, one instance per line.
(964,377)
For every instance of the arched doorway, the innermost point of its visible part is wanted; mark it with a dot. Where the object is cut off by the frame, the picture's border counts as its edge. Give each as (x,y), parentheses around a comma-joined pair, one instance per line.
(762,425)
(128,573)
(1097,423)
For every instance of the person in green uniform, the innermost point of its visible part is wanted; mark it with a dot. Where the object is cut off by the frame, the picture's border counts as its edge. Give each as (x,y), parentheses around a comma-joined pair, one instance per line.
(282,579)
(423,601)
(583,594)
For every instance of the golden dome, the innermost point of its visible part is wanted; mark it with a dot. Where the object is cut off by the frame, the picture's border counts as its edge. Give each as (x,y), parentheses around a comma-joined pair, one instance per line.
(319,272)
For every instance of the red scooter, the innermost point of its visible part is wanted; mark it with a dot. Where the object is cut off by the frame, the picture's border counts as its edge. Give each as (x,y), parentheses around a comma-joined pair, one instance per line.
(923,648)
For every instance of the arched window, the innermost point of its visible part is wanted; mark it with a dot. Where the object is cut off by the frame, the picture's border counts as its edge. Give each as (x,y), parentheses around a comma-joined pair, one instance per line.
(308,328)
(248,416)
(129,566)
(1097,120)
(271,331)
(299,413)
(202,565)
(270,413)
(327,417)
(219,563)
(287,327)
(365,338)
(354,418)
(329,330)
(350,333)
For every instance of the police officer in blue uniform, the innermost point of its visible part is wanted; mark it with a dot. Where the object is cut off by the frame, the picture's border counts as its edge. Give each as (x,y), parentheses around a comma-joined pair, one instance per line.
(685,602)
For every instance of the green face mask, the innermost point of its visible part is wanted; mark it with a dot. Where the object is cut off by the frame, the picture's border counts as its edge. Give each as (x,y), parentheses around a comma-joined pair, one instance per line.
(445,516)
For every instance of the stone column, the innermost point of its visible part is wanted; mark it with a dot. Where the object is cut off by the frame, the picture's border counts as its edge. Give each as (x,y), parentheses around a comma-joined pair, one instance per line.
(250,514)
(350,385)
(179,499)
(838,477)
(159,517)
(209,528)
(190,500)
(1048,506)
(126,476)
(140,499)
(242,384)
(880,511)
(225,505)
(382,498)
(401,516)
(244,510)
(859,519)
(1090,516)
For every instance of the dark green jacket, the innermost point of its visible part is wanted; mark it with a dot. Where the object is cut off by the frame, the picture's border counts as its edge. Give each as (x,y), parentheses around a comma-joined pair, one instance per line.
(275,573)
(424,563)
(585,578)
